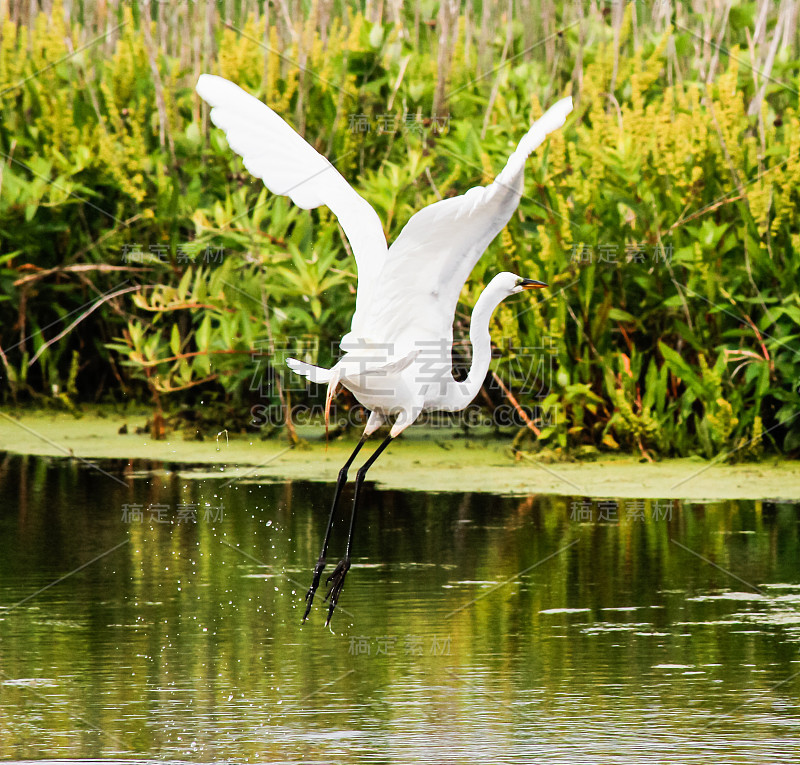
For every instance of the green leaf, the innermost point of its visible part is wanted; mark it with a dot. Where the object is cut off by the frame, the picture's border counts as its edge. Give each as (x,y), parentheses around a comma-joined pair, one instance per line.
(203,333)
(175,340)
(617,314)
(681,369)
(183,286)
(202,365)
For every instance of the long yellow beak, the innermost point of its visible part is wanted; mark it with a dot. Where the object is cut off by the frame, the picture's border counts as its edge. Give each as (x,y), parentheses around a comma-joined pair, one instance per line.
(532,284)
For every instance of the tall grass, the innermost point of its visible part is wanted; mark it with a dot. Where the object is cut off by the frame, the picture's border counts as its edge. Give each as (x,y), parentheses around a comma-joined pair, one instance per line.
(664,216)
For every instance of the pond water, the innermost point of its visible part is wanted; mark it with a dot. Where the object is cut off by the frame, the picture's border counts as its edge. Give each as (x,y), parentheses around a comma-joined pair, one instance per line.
(150,615)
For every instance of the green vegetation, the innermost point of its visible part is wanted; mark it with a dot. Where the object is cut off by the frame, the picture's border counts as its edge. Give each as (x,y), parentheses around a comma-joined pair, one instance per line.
(425,460)
(664,216)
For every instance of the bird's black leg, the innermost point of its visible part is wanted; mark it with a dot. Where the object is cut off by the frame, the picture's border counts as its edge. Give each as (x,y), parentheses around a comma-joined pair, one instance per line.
(321,561)
(336,579)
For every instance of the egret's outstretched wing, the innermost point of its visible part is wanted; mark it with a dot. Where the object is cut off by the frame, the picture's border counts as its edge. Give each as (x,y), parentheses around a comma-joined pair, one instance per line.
(274,152)
(429,262)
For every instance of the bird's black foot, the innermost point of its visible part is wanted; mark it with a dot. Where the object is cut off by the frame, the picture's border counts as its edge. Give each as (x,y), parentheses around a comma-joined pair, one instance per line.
(336,581)
(314,584)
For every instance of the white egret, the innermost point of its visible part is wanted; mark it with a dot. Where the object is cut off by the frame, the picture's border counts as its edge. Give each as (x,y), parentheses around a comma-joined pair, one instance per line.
(397,356)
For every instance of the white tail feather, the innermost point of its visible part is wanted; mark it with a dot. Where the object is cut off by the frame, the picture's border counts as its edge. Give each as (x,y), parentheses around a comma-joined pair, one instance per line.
(318,375)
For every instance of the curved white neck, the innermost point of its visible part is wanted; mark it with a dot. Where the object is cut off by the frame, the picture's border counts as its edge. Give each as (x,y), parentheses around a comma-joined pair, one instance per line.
(481,341)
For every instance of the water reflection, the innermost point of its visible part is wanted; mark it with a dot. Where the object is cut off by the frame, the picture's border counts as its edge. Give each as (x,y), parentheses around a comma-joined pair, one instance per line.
(471,626)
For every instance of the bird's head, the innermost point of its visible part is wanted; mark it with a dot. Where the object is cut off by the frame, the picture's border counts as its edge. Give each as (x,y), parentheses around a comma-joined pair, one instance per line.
(513,284)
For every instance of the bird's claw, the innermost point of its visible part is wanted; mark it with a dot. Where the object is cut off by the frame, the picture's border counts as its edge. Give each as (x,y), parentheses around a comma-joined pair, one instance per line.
(313,589)
(336,581)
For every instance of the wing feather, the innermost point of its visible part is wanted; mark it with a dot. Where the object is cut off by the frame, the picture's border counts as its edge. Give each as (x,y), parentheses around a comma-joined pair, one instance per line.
(289,166)
(437,249)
